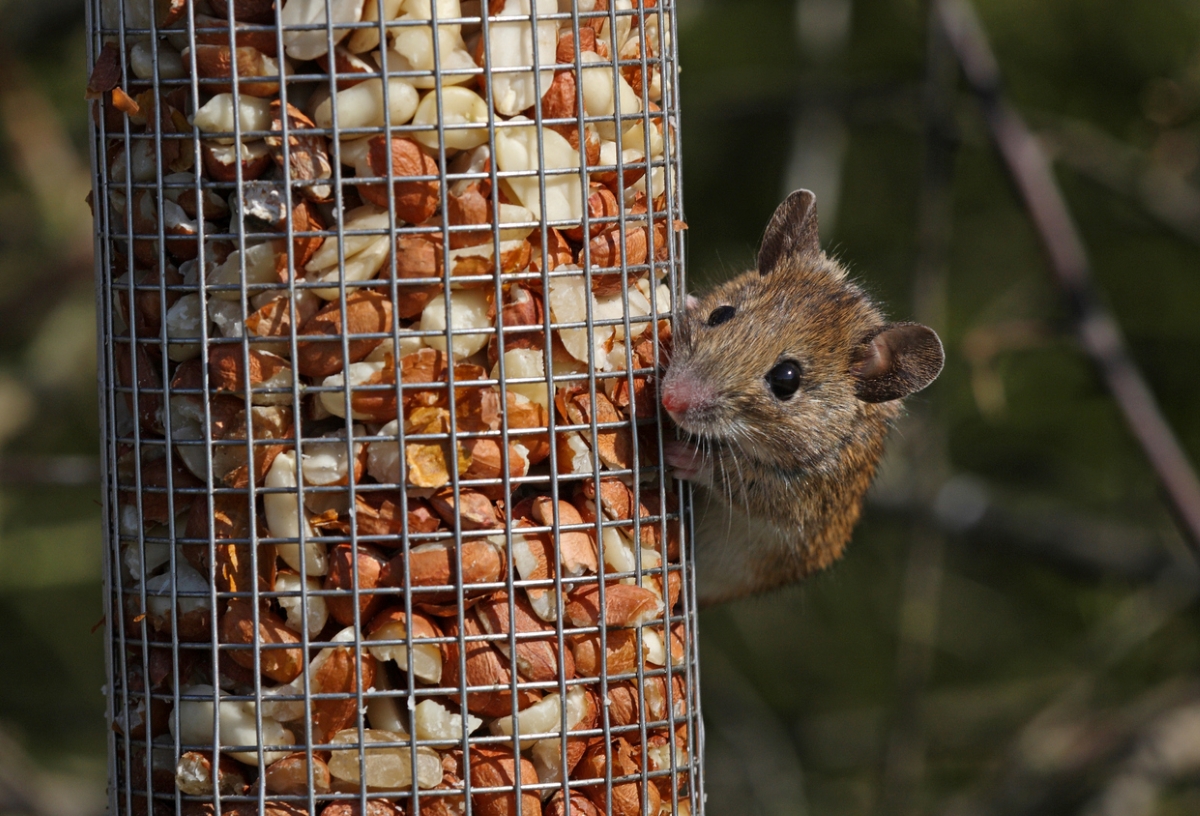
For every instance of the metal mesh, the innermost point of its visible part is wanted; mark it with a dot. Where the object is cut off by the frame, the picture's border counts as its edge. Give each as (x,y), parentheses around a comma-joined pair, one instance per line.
(379,334)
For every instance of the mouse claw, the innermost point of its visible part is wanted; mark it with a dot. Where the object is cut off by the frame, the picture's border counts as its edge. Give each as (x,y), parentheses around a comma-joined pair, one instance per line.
(686,460)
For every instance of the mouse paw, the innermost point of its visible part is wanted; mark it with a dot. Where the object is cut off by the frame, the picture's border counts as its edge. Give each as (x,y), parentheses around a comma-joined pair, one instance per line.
(686,460)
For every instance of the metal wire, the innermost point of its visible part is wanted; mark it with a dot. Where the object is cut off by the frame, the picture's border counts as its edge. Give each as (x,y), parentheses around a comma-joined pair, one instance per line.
(370,494)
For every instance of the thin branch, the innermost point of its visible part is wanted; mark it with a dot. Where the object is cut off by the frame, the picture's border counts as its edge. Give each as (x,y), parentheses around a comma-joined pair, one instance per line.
(62,471)
(905,756)
(1161,191)
(1098,330)
(978,516)
(26,790)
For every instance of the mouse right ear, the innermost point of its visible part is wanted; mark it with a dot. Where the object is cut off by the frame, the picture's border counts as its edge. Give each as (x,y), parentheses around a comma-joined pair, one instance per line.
(792,232)
(896,362)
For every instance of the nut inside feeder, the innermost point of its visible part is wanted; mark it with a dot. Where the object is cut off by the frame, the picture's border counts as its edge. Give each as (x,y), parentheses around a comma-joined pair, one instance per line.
(383,287)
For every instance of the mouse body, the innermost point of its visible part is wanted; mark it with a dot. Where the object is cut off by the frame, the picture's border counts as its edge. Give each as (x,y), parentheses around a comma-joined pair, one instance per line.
(783,383)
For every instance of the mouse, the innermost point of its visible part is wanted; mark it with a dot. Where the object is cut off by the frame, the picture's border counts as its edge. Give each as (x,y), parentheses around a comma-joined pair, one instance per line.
(783,383)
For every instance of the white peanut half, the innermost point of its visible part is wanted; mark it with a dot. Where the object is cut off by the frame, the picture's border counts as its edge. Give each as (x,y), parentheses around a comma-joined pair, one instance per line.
(630,102)
(361,105)
(597,84)
(184,320)
(364,254)
(544,717)
(568,303)
(144,166)
(390,350)
(427,657)
(216,115)
(580,459)
(517,150)
(624,26)
(543,601)
(382,710)
(354,152)
(237,721)
(141,61)
(618,551)
(306,45)
(412,46)
(460,106)
(226,316)
(383,457)
(187,424)
(525,364)
(547,753)
(511,46)
(228,153)
(468,310)
(260,269)
(433,721)
(367,39)
(386,768)
(653,650)
(295,610)
(186,580)
(284,518)
(355,374)
(275,390)
(328,463)
(516,214)
(634,137)
(157,553)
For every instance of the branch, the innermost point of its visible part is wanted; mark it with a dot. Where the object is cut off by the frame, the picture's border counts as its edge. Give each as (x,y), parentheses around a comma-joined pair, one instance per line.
(60,471)
(1098,330)
(977,515)
(1161,191)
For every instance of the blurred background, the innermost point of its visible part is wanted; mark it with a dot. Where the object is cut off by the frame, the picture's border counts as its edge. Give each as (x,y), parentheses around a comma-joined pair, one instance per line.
(1014,629)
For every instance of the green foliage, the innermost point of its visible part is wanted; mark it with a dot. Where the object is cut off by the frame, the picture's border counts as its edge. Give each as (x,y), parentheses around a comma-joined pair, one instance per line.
(1017,624)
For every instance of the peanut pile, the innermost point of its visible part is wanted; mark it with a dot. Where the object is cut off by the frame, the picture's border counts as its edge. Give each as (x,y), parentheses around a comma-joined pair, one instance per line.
(388,502)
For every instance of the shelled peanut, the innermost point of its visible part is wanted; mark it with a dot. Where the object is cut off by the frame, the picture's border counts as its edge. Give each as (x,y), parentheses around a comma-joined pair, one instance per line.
(343,352)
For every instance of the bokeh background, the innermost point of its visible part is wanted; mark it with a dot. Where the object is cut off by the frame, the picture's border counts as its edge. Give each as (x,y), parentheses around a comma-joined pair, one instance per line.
(1015,628)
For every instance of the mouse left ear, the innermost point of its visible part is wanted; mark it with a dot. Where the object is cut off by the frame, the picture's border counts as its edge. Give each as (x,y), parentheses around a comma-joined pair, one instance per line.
(791,233)
(900,360)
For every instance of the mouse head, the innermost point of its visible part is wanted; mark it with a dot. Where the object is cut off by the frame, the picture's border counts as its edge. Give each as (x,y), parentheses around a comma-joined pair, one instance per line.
(783,360)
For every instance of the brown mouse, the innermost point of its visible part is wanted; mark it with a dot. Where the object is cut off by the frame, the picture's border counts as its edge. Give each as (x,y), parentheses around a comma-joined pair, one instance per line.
(784,382)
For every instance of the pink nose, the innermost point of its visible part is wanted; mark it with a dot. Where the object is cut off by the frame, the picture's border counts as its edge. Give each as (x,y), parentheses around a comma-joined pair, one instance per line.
(673,401)
(683,393)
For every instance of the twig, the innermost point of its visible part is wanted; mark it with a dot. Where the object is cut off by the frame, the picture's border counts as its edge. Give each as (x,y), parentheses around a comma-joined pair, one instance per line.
(1161,191)
(750,749)
(1164,750)
(977,516)
(62,471)
(1098,330)
(1053,751)
(904,761)
(26,790)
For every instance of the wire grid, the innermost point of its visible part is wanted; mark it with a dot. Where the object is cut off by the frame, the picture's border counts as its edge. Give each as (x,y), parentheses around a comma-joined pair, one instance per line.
(208,506)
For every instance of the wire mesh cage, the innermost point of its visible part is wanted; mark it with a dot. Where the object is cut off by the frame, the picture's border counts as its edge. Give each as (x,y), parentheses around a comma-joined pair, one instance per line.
(383,286)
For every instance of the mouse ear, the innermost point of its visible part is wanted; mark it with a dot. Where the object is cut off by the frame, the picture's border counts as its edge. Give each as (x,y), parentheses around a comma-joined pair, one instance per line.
(791,233)
(900,360)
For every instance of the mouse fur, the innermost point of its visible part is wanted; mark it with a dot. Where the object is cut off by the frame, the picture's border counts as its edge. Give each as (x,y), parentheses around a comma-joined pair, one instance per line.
(779,481)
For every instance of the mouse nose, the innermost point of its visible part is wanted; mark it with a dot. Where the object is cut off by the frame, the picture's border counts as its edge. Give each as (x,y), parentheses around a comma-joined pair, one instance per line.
(683,394)
(673,401)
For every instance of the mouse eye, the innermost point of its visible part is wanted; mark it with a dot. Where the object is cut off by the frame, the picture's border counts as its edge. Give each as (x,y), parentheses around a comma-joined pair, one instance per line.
(721,314)
(784,379)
